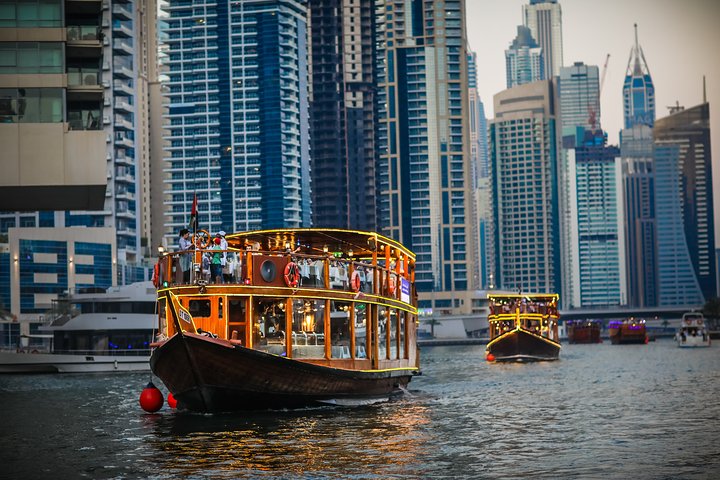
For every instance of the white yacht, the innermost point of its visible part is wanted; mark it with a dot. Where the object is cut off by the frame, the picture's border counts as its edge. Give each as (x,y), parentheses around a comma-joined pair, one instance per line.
(90,331)
(693,332)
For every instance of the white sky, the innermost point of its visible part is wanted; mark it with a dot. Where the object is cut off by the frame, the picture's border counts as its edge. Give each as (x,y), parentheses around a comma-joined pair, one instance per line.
(680,39)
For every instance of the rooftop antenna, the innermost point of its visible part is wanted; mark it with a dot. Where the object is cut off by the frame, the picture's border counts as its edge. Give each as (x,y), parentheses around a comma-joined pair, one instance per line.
(704,91)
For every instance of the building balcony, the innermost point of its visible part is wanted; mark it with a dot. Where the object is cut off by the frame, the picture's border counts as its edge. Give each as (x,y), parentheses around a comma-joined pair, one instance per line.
(122,46)
(120,10)
(121,123)
(123,71)
(123,87)
(121,29)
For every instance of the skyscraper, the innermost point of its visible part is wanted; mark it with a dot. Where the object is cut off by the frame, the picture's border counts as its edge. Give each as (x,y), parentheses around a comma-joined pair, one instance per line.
(523,153)
(108,58)
(425,177)
(238,118)
(479,159)
(638,90)
(523,59)
(684,197)
(578,89)
(343,106)
(636,149)
(597,230)
(544,19)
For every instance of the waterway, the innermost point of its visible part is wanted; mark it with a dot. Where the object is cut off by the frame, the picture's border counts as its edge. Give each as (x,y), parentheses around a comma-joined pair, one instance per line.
(602,411)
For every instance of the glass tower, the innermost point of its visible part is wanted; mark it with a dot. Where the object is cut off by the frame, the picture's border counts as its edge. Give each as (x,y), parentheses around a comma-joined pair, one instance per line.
(238,115)
(684,196)
(523,60)
(578,89)
(544,19)
(638,90)
(425,174)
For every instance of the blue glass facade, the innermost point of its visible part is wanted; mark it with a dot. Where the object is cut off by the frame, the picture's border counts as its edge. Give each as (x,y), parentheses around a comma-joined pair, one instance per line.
(238,121)
(41,257)
(424,178)
(638,90)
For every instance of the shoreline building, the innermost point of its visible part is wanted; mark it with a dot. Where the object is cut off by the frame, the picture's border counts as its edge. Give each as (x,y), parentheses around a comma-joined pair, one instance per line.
(238,115)
(524,153)
(544,19)
(684,198)
(523,60)
(636,149)
(425,185)
(343,113)
(108,65)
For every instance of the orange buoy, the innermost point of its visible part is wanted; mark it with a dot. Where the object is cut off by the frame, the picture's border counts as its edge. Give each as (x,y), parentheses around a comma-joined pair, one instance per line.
(172,403)
(490,357)
(151,399)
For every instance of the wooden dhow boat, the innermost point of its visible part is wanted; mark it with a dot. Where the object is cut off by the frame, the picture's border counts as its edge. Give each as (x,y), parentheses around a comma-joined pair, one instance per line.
(628,331)
(307,317)
(584,331)
(523,328)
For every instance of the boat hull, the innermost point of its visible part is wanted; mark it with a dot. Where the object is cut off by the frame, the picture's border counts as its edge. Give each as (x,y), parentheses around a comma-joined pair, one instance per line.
(11,362)
(521,346)
(211,375)
(584,334)
(627,336)
(690,341)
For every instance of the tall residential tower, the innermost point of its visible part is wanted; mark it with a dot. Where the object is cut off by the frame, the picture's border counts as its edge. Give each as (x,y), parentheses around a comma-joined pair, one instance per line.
(544,19)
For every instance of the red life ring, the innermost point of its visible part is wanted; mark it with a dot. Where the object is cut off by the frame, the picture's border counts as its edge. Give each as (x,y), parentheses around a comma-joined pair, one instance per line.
(292,275)
(355,281)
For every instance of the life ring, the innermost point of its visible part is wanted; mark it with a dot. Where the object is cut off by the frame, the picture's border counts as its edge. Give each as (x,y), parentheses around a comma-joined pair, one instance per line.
(391,284)
(355,281)
(292,275)
(202,239)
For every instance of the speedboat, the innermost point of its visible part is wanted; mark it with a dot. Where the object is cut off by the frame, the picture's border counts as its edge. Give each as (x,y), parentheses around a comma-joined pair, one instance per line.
(692,332)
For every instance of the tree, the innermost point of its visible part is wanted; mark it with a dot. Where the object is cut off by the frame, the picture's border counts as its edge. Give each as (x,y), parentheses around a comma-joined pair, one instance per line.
(432,321)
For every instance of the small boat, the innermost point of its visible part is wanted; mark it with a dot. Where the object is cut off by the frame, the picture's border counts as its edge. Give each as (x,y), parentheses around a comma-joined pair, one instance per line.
(91,331)
(628,331)
(583,331)
(523,327)
(312,317)
(693,332)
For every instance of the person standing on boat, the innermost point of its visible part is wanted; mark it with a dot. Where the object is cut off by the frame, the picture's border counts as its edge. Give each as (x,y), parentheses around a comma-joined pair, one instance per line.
(224,246)
(216,275)
(185,245)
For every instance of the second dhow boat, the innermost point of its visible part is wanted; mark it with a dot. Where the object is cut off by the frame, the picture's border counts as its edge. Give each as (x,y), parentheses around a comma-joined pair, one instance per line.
(584,331)
(523,328)
(628,331)
(314,317)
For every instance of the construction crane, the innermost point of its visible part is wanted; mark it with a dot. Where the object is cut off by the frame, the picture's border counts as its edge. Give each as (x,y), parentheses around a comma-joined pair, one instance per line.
(592,114)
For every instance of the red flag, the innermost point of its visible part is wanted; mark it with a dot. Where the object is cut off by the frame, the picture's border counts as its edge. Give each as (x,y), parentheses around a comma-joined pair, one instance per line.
(193,215)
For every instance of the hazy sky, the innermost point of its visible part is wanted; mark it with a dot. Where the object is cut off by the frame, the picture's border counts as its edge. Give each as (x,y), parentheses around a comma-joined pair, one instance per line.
(680,39)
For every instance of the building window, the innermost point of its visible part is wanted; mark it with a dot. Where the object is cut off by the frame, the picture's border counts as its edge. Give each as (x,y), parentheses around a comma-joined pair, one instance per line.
(31,13)
(31,57)
(31,105)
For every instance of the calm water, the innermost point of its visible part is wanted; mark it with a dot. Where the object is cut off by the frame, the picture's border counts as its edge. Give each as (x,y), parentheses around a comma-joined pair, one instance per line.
(602,411)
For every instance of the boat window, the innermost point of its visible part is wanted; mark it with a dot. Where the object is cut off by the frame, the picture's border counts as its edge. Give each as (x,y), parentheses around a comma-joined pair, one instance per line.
(361,315)
(117,307)
(162,316)
(382,333)
(199,308)
(308,325)
(340,328)
(268,324)
(394,334)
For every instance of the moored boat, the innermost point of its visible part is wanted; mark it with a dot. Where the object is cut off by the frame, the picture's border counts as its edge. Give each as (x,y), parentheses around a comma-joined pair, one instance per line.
(584,331)
(523,327)
(312,317)
(692,332)
(90,331)
(628,331)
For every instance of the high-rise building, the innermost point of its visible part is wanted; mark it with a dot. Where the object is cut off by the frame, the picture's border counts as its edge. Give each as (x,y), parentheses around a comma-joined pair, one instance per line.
(638,89)
(544,19)
(636,149)
(578,90)
(238,115)
(108,63)
(479,160)
(684,205)
(51,109)
(524,159)
(597,225)
(425,177)
(523,60)
(343,112)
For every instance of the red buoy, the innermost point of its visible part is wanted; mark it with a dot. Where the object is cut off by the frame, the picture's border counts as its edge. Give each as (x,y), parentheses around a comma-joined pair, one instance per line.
(490,357)
(172,403)
(151,399)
